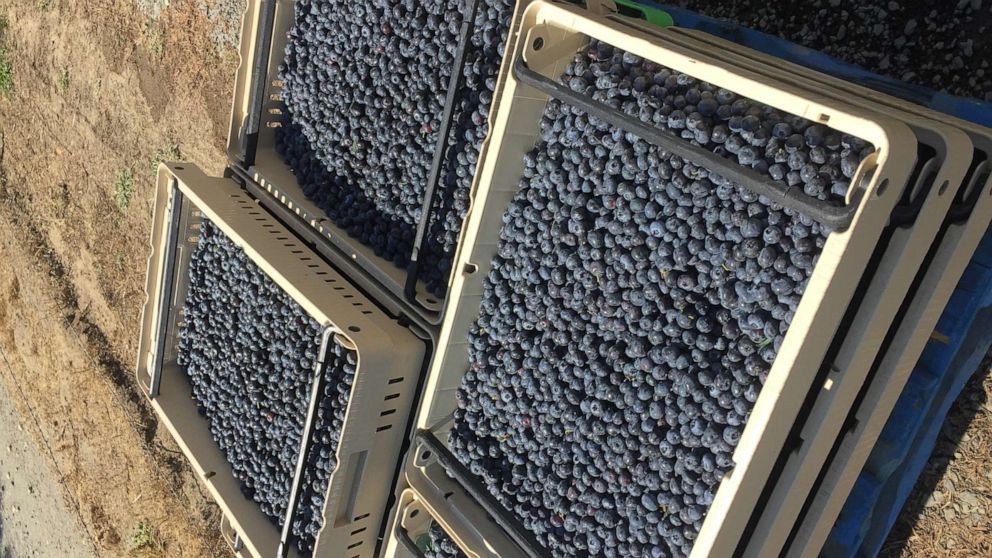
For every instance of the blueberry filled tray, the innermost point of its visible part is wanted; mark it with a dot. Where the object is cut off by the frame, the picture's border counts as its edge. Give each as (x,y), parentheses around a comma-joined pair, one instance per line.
(417,532)
(951,159)
(960,233)
(287,389)
(647,291)
(363,120)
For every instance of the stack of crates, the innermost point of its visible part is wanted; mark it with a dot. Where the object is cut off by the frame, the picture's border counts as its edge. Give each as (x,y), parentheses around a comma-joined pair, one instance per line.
(917,211)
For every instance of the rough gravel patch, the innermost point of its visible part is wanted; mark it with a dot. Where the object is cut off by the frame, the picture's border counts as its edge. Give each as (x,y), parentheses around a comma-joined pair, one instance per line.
(153,8)
(949,512)
(225,17)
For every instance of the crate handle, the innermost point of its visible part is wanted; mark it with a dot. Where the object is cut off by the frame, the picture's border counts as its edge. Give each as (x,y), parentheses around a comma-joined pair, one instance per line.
(961,209)
(837,217)
(905,214)
(437,163)
(316,389)
(404,538)
(165,292)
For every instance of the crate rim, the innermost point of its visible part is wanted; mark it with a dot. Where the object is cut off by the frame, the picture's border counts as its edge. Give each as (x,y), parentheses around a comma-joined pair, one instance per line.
(960,243)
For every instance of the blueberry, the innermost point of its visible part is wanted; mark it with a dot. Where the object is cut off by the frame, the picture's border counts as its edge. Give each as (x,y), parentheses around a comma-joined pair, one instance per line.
(440,545)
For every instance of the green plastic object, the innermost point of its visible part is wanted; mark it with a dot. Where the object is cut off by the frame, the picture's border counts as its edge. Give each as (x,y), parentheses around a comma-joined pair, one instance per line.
(424,542)
(648,13)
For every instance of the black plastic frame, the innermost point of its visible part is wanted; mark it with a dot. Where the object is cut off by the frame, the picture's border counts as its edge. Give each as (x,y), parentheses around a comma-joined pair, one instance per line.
(316,391)
(441,150)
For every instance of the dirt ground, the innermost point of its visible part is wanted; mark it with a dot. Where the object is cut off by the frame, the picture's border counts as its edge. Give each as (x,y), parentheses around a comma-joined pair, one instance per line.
(949,512)
(102,91)
(28,497)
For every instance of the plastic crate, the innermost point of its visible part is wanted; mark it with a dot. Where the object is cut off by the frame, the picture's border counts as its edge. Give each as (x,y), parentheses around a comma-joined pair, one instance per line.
(946,267)
(550,34)
(257,113)
(960,165)
(414,517)
(391,358)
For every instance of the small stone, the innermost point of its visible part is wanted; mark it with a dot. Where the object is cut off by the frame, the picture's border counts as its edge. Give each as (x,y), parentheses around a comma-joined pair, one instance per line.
(910,27)
(949,514)
(935,498)
(968,498)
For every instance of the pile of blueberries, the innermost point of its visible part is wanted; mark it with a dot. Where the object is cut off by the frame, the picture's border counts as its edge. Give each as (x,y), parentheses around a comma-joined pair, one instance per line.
(440,544)
(249,351)
(635,306)
(365,85)
(938,44)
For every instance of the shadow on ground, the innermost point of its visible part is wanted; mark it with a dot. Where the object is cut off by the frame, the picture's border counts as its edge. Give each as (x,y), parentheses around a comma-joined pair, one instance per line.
(960,419)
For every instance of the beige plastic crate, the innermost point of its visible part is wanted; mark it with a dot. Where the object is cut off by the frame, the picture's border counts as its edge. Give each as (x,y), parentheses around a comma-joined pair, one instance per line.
(414,516)
(263,32)
(950,257)
(948,264)
(231,537)
(390,360)
(902,261)
(558,31)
